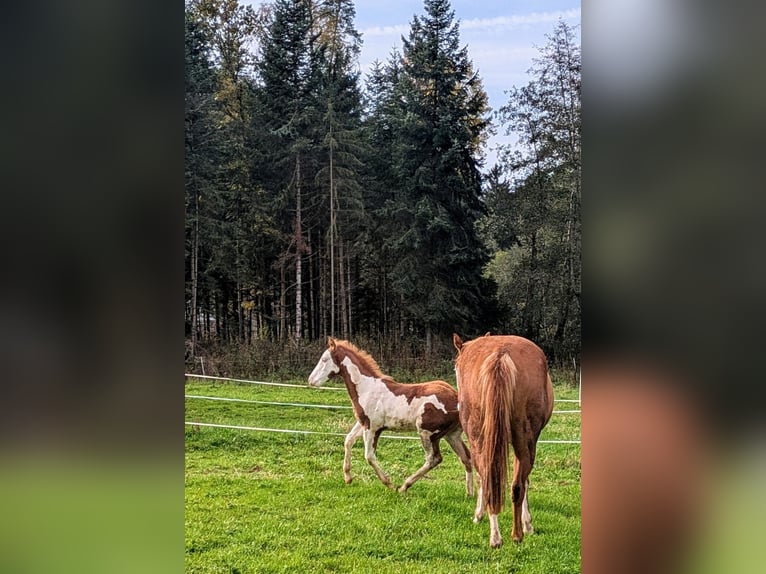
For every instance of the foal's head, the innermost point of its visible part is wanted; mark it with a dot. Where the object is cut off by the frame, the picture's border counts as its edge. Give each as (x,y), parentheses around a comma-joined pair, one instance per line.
(337,352)
(326,367)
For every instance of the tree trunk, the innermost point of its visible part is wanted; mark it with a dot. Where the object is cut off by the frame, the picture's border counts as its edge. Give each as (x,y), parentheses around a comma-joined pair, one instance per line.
(194,275)
(529,307)
(282,306)
(342,294)
(323,296)
(332,240)
(298,253)
(240,310)
(348,293)
(312,294)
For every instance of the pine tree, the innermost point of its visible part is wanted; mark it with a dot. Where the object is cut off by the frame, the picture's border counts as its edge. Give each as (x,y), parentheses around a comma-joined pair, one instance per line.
(338,45)
(289,115)
(440,257)
(200,153)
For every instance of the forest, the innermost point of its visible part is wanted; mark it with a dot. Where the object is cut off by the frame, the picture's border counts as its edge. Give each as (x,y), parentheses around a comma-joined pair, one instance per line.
(325,200)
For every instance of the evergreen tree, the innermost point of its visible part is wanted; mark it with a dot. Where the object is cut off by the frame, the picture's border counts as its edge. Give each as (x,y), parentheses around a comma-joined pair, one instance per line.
(288,117)
(227,273)
(439,256)
(200,167)
(340,98)
(384,177)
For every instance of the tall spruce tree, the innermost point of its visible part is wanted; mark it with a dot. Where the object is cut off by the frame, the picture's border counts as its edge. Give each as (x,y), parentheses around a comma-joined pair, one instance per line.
(340,100)
(228,31)
(288,119)
(439,255)
(200,165)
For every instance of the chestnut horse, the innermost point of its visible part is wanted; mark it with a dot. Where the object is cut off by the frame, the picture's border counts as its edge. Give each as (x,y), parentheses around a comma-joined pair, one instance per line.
(380,403)
(506,398)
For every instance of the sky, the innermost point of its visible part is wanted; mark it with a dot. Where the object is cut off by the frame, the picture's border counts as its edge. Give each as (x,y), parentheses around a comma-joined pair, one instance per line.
(501,36)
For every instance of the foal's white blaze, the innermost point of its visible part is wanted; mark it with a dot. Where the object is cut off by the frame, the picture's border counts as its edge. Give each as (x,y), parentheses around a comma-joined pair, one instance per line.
(325,367)
(383,407)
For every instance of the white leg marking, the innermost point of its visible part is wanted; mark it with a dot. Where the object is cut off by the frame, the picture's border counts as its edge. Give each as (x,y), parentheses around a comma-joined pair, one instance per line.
(369,454)
(351,438)
(495,540)
(526,517)
(480,505)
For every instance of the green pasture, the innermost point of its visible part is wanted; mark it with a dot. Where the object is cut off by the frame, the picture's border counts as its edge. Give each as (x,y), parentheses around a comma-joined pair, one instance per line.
(262,502)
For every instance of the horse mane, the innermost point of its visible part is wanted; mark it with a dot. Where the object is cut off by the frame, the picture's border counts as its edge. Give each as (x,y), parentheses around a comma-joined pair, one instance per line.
(364,357)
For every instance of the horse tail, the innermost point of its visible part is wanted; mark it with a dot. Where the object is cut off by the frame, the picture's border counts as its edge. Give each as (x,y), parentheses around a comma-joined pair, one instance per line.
(497,378)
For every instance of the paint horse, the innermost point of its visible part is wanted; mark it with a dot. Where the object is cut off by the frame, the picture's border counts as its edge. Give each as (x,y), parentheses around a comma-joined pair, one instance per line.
(380,403)
(506,398)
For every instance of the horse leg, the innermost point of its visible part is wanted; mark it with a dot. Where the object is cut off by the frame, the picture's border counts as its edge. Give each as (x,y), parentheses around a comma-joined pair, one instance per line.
(461,450)
(481,504)
(433,459)
(521,469)
(526,517)
(370,442)
(495,540)
(351,438)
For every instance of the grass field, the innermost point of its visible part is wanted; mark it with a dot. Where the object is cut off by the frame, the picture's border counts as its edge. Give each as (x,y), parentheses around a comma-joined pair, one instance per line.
(270,502)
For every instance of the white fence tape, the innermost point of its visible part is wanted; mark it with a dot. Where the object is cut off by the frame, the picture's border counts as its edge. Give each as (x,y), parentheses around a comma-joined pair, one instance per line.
(307,405)
(291,431)
(306,386)
(227,399)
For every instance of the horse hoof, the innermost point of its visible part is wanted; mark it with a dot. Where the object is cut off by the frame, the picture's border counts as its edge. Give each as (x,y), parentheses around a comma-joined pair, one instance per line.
(496,543)
(403,489)
(347,479)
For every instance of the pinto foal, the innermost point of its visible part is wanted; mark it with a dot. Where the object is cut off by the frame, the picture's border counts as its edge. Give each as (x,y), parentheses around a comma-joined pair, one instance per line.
(380,403)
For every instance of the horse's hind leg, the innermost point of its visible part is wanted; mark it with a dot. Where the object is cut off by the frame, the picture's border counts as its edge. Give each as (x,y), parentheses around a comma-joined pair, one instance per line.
(370,442)
(433,459)
(481,504)
(521,469)
(351,438)
(526,517)
(455,441)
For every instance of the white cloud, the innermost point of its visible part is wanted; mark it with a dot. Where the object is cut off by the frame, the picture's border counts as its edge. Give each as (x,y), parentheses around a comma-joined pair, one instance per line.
(500,22)
(396,30)
(519,19)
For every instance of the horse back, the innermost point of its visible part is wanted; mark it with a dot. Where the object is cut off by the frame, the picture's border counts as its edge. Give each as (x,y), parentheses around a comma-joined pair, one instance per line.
(441,390)
(533,391)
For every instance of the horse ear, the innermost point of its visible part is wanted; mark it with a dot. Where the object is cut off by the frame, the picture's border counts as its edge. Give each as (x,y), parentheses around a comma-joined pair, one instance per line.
(457,341)
(331,343)
(487,333)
